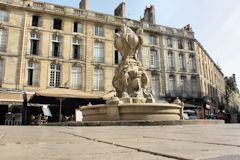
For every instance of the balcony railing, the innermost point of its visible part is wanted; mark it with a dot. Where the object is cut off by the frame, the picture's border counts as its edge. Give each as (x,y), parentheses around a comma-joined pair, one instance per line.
(78,12)
(59,9)
(100,16)
(38,5)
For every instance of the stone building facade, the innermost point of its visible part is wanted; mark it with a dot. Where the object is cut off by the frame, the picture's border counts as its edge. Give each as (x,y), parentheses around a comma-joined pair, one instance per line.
(212,83)
(45,45)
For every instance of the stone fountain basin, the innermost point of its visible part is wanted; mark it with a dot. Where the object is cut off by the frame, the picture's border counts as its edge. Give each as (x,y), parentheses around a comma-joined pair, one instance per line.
(132,111)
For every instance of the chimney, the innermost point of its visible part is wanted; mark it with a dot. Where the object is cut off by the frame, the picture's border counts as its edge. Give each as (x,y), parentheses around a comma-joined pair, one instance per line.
(120,10)
(83,4)
(149,15)
(234,78)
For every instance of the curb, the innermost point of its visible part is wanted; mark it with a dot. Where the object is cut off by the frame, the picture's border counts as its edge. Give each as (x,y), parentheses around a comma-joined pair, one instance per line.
(137,123)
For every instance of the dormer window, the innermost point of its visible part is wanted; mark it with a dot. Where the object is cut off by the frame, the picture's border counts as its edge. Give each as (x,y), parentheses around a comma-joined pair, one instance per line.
(57,24)
(35,21)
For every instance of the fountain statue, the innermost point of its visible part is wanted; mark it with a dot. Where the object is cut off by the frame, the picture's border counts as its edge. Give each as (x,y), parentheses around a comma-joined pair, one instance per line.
(130,80)
(133,101)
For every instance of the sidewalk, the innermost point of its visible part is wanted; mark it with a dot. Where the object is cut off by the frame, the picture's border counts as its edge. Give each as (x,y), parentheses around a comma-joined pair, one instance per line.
(212,142)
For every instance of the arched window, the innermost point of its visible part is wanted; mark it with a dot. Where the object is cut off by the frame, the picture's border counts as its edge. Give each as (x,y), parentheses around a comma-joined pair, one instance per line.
(3,40)
(181,62)
(34,43)
(192,63)
(169,43)
(153,40)
(77,49)
(76,79)
(171,61)
(153,59)
(99,31)
(194,85)
(180,44)
(98,79)
(78,27)
(33,74)
(56,45)
(183,84)
(55,75)
(99,52)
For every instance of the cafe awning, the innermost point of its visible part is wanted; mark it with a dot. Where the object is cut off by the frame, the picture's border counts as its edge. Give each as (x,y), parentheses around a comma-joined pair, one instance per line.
(63,96)
(66,93)
(13,98)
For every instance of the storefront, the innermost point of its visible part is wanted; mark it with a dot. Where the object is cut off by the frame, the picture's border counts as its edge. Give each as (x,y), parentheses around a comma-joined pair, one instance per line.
(11,104)
(62,103)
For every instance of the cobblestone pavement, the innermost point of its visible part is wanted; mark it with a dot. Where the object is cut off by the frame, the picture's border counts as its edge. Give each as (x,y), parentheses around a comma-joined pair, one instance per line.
(209,142)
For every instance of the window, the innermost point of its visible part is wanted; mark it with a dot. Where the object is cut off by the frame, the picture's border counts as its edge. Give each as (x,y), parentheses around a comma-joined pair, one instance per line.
(98,79)
(33,74)
(77,49)
(155,85)
(191,63)
(35,21)
(56,40)
(1,71)
(153,40)
(99,52)
(172,85)
(76,77)
(118,56)
(99,31)
(139,56)
(181,62)
(55,75)
(78,27)
(153,59)
(169,43)
(194,84)
(3,40)
(191,46)
(34,43)
(170,61)
(3,16)
(57,24)
(183,84)
(180,44)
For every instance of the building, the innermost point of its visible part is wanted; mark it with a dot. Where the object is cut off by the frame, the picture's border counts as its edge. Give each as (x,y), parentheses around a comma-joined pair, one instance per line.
(212,83)
(46,45)
(232,96)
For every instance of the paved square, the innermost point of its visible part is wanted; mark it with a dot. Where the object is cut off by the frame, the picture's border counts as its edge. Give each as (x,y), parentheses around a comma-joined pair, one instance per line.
(211,142)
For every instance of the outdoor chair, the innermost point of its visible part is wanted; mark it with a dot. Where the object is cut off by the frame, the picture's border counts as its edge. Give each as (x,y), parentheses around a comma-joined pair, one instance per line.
(18,119)
(9,119)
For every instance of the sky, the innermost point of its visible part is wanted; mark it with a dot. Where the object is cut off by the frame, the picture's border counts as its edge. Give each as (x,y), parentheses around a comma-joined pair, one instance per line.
(216,23)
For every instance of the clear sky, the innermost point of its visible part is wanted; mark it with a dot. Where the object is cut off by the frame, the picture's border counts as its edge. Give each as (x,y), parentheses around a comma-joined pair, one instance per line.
(216,23)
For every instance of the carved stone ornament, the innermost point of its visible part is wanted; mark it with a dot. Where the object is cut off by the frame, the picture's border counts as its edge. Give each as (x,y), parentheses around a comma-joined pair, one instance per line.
(130,80)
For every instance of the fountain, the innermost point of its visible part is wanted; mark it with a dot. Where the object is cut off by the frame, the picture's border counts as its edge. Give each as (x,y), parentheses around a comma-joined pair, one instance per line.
(133,101)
